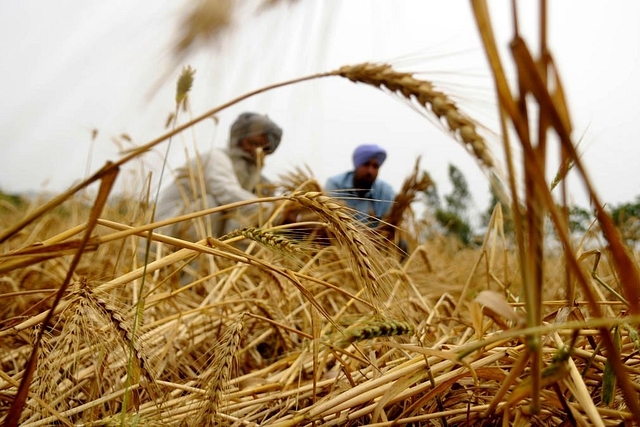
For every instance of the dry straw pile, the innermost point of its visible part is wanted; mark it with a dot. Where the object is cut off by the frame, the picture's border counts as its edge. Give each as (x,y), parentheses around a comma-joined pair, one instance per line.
(100,326)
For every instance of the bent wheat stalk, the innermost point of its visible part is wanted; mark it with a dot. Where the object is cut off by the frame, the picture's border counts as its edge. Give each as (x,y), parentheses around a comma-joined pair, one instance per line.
(422,91)
(349,233)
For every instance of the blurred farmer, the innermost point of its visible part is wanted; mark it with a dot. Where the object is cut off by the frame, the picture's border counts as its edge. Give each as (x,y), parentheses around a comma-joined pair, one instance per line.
(220,177)
(360,189)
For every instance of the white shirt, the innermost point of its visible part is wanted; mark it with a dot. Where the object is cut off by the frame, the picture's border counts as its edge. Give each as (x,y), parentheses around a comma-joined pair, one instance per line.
(214,179)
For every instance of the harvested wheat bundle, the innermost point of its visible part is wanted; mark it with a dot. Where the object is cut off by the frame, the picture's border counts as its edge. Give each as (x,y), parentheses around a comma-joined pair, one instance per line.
(407,194)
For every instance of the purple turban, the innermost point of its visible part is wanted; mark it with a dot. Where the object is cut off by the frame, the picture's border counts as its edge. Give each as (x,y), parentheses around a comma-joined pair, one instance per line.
(363,153)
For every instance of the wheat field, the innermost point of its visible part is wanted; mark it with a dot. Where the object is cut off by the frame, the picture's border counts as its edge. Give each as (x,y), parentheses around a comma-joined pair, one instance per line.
(105,320)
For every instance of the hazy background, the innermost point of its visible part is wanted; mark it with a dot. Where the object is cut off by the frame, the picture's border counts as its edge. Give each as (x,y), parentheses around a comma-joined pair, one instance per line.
(72,66)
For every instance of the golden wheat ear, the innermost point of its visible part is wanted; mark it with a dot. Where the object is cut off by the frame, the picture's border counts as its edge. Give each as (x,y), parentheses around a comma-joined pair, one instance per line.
(218,376)
(350,233)
(410,188)
(432,99)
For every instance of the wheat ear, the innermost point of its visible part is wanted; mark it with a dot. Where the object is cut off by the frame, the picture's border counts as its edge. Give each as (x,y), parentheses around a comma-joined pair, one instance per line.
(265,238)
(118,324)
(224,354)
(349,232)
(423,92)
(50,359)
(373,328)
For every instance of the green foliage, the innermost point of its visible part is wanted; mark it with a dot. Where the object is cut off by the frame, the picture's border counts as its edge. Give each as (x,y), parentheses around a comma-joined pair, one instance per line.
(454,225)
(7,200)
(627,218)
(433,199)
(454,216)
(460,197)
(579,219)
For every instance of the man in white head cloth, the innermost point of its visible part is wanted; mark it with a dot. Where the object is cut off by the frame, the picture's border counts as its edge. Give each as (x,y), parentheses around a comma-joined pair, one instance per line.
(220,177)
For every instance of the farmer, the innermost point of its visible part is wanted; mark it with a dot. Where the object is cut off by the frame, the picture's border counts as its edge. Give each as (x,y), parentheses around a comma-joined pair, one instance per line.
(360,189)
(220,177)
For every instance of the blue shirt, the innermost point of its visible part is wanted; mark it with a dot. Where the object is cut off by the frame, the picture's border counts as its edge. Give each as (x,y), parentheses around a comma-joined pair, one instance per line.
(375,203)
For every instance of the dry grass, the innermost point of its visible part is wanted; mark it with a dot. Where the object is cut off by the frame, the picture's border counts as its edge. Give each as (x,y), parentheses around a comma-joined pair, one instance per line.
(290,330)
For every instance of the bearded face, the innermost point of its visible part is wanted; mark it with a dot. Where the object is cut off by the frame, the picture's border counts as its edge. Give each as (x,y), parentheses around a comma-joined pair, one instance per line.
(366,174)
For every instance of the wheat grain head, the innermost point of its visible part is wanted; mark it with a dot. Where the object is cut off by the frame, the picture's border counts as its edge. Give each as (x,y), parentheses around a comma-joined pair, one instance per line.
(222,365)
(267,239)
(432,99)
(350,233)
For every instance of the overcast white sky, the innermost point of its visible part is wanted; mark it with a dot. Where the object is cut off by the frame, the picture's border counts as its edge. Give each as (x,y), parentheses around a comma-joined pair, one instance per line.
(71,66)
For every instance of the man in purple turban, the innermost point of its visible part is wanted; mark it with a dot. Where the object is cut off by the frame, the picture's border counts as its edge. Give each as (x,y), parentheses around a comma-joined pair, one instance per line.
(360,189)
